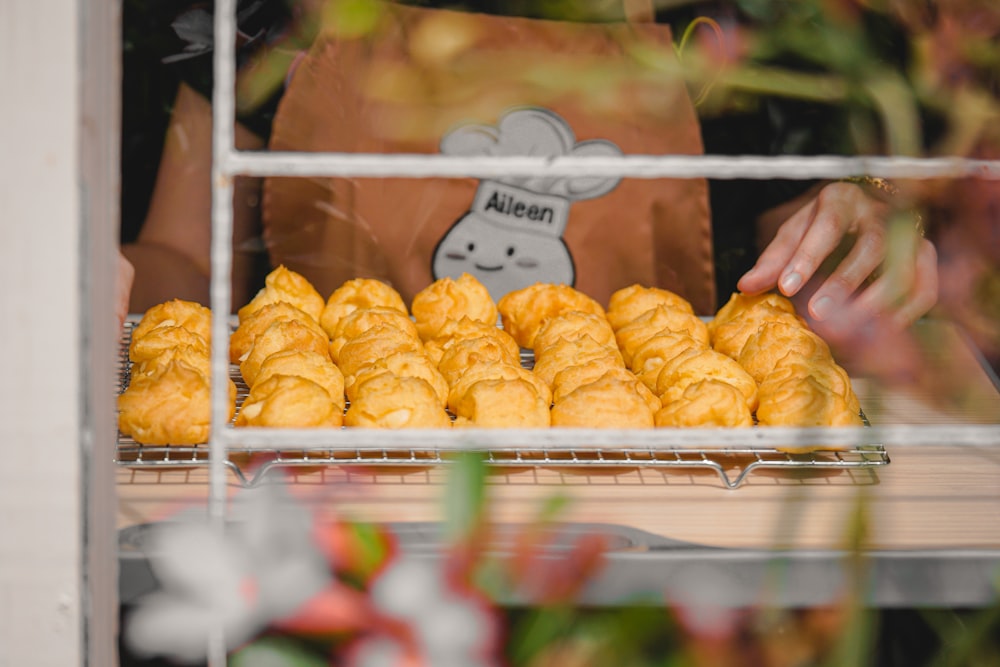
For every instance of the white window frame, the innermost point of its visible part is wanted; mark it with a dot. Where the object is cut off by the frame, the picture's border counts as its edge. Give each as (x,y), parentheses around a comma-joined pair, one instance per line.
(59,182)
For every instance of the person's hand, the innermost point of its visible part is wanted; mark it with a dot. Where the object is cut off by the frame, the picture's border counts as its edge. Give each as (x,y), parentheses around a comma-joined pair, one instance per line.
(123,287)
(838,244)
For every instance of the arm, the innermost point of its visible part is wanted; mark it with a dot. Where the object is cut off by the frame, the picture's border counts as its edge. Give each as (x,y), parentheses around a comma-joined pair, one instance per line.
(171,255)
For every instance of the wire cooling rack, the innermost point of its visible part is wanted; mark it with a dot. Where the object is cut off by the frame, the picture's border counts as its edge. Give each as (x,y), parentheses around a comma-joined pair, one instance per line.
(732,465)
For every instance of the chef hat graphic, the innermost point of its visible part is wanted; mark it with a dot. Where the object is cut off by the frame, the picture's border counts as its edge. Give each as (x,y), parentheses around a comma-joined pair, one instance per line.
(538,133)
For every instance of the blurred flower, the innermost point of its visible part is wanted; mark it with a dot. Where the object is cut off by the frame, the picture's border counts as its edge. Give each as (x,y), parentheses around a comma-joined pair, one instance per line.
(426,619)
(264,566)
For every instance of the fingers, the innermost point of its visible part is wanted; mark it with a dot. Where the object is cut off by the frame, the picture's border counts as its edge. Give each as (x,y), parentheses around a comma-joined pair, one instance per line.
(924,295)
(775,257)
(903,294)
(891,304)
(864,258)
(843,221)
(808,238)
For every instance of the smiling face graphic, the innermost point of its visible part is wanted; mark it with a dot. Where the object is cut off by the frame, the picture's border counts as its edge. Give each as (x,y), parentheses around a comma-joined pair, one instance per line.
(512,235)
(503,259)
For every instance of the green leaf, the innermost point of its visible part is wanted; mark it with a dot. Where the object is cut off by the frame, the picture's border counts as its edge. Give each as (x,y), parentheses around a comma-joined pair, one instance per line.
(351,18)
(464,495)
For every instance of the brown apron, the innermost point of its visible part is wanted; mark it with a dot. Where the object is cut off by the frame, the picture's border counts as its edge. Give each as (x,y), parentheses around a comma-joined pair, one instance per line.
(433,81)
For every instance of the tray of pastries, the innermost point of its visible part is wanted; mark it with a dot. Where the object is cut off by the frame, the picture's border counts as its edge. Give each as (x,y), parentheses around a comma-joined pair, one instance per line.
(546,360)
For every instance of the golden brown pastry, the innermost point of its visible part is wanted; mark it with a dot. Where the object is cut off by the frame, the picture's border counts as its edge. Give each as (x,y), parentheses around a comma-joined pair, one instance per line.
(400,364)
(307,364)
(462,355)
(277,337)
(565,353)
(604,403)
(195,357)
(649,358)
(804,401)
(524,311)
(456,330)
(283,284)
(825,371)
(574,324)
(706,403)
(378,342)
(162,338)
(730,337)
(660,319)
(355,294)
(739,302)
(502,403)
(703,364)
(363,319)
(190,315)
(497,370)
(242,338)
(449,299)
(389,401)
(774,341)
(290,401)
(171,407)
(569,379)
(628,303)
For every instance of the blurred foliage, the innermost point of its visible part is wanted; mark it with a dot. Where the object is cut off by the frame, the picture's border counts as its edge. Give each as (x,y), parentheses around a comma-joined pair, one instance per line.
(550,628)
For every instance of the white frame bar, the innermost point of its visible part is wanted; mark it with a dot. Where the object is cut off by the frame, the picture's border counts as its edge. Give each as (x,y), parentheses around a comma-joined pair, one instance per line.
(565,439)
(59,185)
(634,166)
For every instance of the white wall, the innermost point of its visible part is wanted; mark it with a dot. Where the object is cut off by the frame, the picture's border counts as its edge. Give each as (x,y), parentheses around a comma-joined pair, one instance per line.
(58,147)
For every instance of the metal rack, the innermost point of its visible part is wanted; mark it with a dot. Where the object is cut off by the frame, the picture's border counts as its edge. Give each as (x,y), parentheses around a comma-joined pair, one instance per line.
(250,466)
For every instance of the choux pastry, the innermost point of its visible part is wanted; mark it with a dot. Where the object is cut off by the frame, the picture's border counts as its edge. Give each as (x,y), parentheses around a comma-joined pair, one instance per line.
(565,353)
(380,341)
(388,401)
(773,341)
(400,364)
(702,364)
(283,284)
(363,319)
(463,355)
(242,338)
(355,294)
(496,371)
(502,403)
(660,319)
(190,315)
(574,324)
(162,338)
(456,330)
(451,299)
(628,303)
(524,311)
(171,407)
(279,336)
(289,401)
(706,403)
(604,403)
(308,364)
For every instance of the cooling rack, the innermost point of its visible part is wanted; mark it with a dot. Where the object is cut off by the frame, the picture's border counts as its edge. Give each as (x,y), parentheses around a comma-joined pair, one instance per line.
(732,465)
